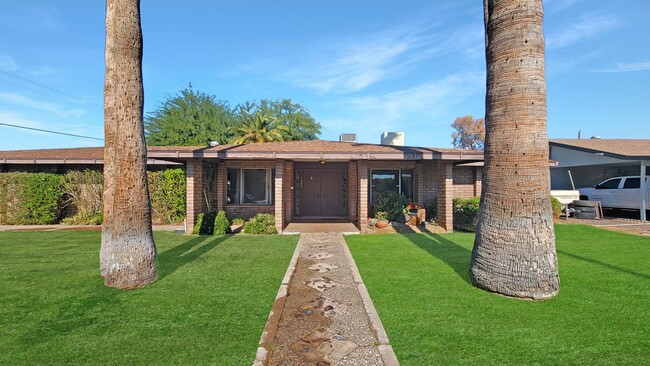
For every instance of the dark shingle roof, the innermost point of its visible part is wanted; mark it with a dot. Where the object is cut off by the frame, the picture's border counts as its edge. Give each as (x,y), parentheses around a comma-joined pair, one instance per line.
(628,149)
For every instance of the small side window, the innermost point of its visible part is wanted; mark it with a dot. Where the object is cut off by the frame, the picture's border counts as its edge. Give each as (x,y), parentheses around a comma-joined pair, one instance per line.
(609,184)
(632,183)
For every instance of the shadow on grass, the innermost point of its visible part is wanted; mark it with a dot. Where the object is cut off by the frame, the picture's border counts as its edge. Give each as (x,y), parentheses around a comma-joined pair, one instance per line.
(452,254)
(603,264)
(172,259)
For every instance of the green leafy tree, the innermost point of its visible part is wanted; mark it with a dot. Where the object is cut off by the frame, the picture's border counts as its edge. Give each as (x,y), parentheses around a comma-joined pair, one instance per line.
(300,124)
(189,118)
(256,128)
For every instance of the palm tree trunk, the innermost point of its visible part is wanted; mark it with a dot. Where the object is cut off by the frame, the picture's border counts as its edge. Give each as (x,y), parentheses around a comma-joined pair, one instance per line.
(128,253)
(514,250)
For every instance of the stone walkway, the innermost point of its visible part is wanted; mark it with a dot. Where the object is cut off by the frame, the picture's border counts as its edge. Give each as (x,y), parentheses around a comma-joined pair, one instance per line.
(323,314)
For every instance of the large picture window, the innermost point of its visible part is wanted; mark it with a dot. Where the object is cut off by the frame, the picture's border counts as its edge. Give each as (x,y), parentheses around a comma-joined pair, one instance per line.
(250,186)
(398,181)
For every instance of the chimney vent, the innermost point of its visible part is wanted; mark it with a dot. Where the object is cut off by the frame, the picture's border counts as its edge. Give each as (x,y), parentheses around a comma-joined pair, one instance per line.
(392,138)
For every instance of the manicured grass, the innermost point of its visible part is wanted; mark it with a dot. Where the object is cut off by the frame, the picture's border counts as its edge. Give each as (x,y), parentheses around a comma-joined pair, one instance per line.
(433,316)
(209,305)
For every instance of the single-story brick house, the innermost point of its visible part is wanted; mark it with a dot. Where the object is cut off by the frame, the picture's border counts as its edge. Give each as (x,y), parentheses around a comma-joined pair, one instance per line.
(298,180)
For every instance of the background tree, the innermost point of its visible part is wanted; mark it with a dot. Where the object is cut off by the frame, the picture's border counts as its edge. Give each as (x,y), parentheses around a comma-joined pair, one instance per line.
(469,134)
(300,124)
(258,127)
(514,250)
(189,118)
(128,254)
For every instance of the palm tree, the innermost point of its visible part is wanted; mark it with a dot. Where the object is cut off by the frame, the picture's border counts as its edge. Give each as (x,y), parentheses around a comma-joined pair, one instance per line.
(514,250)
(258,128)
(128,253)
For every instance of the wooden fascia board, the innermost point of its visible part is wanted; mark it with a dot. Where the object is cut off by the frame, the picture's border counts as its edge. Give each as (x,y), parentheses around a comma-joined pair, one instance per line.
(597,151)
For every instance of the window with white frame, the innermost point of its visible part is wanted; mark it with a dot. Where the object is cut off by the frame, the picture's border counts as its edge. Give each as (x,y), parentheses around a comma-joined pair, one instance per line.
(250,186)
(394,180)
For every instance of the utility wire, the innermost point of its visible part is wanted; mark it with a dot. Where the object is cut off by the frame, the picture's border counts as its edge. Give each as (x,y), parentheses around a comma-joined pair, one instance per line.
(55,132)
(48,87)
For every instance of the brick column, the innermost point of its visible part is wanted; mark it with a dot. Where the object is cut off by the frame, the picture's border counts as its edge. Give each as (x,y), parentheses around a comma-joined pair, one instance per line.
(193,192)
(418,184)
(222,182)
(288,192)
(352,192)
(446,196)
(278,199)
(478,181)
(363,193)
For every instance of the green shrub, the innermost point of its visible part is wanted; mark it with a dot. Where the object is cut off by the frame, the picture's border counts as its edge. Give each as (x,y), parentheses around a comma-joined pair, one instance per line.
(556,206)
(238,221)
(83,191)
(221,224)
(392,203)
(466,213)
(167,193)
(205,223)
(262,223)
(381,215)
(30,198)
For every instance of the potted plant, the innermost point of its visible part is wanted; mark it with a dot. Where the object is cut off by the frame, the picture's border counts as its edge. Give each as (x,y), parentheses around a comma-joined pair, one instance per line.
(382,219)
(411,213)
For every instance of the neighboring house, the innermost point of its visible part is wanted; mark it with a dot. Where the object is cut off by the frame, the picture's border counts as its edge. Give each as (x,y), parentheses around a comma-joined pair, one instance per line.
(591,161)
(298,180)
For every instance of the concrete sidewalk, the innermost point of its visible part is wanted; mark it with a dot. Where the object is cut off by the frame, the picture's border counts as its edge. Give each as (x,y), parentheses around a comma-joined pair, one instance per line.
(323,314)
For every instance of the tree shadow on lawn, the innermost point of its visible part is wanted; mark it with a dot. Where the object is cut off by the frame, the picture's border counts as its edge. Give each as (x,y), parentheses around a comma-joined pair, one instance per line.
(172,259)
(452,254)
(603,264)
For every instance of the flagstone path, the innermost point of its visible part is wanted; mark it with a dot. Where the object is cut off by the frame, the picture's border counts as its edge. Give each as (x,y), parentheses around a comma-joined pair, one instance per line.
(323,314)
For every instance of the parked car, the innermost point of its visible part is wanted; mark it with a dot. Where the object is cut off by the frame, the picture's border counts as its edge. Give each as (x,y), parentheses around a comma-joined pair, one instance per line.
(618,192)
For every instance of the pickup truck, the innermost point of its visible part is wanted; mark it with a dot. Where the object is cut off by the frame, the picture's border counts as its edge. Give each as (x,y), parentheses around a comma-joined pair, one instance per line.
(618,192)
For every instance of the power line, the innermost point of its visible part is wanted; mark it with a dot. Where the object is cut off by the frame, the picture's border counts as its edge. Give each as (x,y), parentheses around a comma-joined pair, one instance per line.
(54,132)
(48,87)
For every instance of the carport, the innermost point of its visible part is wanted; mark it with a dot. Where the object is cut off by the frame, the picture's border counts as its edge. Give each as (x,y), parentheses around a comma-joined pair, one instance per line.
(590,161)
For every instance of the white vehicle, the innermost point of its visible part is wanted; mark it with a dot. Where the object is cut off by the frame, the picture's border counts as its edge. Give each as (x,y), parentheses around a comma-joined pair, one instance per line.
(618,192)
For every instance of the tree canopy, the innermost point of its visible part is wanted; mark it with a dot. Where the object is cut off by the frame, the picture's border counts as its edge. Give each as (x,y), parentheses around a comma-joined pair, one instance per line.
(193,118)
(258,127)
(469,133)
(189,118)
(300,124)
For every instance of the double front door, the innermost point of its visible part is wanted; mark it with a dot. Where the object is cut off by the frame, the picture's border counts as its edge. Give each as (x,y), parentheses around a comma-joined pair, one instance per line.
(321,192)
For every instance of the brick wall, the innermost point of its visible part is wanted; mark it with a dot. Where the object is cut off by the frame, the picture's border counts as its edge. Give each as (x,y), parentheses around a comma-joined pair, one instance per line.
(464,182)
(353,194)
(288,192)
(222,183)
(194,192)
(427,184)
(446,195)
(247,211)
(279,193)
(362,196)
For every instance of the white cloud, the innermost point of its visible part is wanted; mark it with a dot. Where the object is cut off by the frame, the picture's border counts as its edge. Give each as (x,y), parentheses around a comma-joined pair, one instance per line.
(626,67)
(583,28)
(7,63)
(20,100)
(557,5)
(353,65)
(418,108)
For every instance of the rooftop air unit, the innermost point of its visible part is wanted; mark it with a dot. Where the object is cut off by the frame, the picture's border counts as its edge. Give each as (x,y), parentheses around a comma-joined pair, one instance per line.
(348,137)
(392,138)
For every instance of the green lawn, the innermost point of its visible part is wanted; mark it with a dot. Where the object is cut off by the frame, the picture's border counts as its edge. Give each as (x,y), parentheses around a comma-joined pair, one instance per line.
(209,305)
(433,316)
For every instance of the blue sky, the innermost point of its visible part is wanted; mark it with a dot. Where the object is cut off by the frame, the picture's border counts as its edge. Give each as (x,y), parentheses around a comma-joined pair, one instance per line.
(359,66)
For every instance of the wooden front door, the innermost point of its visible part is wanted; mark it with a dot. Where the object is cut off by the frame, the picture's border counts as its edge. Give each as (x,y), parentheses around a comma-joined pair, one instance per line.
(321,192)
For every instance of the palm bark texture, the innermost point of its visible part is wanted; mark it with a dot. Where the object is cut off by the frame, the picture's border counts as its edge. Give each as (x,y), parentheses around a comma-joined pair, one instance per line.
(128,253)
(514,250)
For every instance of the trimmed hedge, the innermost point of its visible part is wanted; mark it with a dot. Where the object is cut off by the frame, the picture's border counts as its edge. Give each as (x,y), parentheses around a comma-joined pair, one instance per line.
(262,223)
(221,224)
(44,198)
(466,213)
(30,198)
(167,193)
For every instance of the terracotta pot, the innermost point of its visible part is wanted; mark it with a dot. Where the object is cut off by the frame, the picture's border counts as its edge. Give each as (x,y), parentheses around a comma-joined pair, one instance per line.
(381,224)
